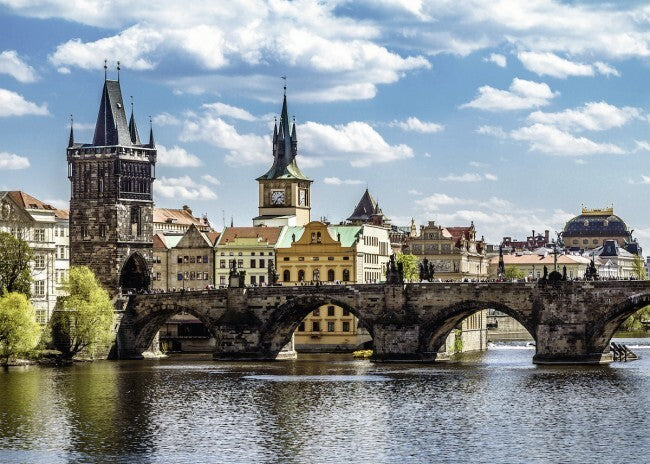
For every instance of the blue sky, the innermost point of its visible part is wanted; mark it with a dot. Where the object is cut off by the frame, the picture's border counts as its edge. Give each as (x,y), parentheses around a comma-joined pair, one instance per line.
(511,114)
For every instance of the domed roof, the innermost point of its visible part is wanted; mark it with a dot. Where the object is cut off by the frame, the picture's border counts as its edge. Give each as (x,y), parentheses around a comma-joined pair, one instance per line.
(594,224)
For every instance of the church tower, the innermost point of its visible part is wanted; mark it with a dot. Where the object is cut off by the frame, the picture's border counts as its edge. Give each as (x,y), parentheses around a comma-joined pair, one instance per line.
(284,191)
(111,202)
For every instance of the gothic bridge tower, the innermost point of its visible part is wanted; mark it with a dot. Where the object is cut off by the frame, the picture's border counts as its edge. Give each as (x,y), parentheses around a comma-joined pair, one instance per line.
(284,191)
(111,202)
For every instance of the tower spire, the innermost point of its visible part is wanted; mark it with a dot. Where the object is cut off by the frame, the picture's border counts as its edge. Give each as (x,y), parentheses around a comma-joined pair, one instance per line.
(133,129)
(151,141)
(71,139)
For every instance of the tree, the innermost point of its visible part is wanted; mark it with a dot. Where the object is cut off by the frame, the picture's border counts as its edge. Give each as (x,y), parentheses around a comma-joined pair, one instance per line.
(635,321)
(513,272)
(85,317)
(15,255)
(409,265)
(19,331)
(638,268)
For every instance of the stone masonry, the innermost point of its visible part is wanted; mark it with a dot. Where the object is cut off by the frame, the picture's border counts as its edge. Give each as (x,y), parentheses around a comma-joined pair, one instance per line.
(571,322)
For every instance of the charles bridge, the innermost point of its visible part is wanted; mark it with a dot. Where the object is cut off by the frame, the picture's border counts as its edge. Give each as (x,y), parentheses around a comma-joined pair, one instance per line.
(572,322)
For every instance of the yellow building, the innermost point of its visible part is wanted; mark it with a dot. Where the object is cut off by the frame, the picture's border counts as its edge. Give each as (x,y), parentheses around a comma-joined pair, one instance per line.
(318,253)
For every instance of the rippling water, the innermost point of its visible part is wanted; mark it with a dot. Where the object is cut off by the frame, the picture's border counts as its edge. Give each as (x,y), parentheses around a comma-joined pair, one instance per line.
(493,407)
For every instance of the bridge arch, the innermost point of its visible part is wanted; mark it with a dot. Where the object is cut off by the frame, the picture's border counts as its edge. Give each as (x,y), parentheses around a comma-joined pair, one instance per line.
(434,332)
(277,331)
(153,319)
(602,332)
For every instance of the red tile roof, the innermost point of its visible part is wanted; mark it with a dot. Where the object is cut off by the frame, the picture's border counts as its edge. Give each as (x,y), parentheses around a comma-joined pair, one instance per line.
(268,234)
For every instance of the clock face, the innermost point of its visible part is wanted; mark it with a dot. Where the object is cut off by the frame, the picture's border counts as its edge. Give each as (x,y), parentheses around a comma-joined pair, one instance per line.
(277,197)
(302,197)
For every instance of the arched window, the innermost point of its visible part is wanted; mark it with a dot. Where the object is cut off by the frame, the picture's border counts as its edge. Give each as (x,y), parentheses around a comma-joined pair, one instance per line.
(316,275)
(286,275)
(317,237)
(346,275)
(301,275)
(330,275)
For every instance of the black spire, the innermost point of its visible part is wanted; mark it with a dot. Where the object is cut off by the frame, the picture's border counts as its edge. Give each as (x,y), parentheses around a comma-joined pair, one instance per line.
(71,139)
(111,128)
(151,141)
(133,129)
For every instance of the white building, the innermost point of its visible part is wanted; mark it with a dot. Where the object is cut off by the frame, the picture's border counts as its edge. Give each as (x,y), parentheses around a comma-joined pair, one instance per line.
(45,229)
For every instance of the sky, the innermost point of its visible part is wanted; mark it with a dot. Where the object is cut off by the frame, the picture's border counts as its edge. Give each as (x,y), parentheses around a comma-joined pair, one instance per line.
(509,114)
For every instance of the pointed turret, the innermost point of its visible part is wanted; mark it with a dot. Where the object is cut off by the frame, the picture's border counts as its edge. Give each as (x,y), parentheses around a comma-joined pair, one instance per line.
(367,211)
(111,128)
(133,129)
(71,139)
(151,144)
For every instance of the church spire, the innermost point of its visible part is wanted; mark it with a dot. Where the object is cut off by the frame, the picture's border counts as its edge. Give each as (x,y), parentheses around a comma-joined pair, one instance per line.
(111,128)
(151,141)
(71,139)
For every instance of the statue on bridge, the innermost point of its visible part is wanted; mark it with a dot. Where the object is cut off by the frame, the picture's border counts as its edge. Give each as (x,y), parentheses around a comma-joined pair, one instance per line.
(591,273)
(236,278)
(394,272)
(272,274)
(501,270)
(427,270)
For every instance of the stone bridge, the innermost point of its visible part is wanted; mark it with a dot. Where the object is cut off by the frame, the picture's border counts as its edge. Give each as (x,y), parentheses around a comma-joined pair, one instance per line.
(572,322)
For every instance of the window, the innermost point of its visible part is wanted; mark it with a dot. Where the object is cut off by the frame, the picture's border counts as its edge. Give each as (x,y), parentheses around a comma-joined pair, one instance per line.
(286,258)
(199,259)
(192,259)
(253,262)
(240,263)
(330,275)
(39,288)
(595,241)
(39,235)
(346,275)
(301,327)
(286,275)
(346,312)
(192,275)
(179,276)
(186,259)
(179,260)
(346,258)
(158,276)
(84,232)
(240,254)
(315,258)
(261,280)
(585,241)
(262,253)
(39,261)
(262,264)
(253,253)
(301,258)
(222,280)
(330,326)
(222,263)
(315,326)
(102,230)
(301,275)
(330,311)
(575,241)
(253,280)
(315,275)
(206,259)
(346,326)
(316,312)
(205,276)
(330,258)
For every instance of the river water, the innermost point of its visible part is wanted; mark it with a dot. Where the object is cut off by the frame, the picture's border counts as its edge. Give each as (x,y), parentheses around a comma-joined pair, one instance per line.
(492,407)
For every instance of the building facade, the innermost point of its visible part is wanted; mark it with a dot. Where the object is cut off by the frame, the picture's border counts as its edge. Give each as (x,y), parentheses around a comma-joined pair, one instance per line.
(593,227)
(455,252)
(531,265)
(250,249)
(178,221)
(111,204)
(45,229)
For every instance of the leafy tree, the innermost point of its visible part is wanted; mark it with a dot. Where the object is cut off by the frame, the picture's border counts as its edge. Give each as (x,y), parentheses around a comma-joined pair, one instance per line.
(15,255)
(638,268)
(513,272)
(409,265)
(19,331)
(85,317)
(635,321)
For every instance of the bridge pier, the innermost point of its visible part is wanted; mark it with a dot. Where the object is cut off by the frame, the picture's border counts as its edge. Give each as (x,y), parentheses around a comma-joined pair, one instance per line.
(564,343)
(398,343)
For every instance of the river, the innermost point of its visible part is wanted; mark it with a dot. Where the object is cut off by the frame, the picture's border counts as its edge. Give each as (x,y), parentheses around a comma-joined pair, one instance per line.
(491,407)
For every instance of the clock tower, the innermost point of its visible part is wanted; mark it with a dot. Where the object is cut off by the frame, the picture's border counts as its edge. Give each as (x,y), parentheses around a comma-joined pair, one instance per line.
(284,191)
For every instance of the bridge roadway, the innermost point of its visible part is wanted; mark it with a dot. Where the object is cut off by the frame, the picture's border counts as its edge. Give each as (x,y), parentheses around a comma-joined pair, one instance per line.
(572,322)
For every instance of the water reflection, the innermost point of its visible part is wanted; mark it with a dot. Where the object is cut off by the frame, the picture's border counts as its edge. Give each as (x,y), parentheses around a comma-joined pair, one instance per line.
(494,406)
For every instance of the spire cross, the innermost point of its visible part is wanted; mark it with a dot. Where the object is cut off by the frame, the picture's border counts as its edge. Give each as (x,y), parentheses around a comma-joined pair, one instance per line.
(118,75)
(71,120)
(105,68)
(131,96)
(285,84)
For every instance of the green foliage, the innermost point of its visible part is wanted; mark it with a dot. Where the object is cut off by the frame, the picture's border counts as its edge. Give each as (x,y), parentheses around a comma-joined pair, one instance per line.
(85,317)
(513,272)
(635,321)
(15,255)
(19,331)
(458,341)
(638,268)
(409,265)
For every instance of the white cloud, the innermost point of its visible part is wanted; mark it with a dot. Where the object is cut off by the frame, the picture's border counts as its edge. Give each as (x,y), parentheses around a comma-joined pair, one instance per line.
(177,157)
(596,116)
(58,203)
(494,131)
(166,119)
(437,200)
(553,141)
(184,188)
(467,177)
(337,181)
(552,65)
(415,125)
(12,161)
(12,64)
(210,179)
(498,59)
(13,104)
(477,164)
(356,141)
(522,94)
(243,149)
(414,192)
(221,109)
(489,176)
(642,145)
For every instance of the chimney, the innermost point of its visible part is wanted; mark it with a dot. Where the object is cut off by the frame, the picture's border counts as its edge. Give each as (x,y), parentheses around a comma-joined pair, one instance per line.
(187,208)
